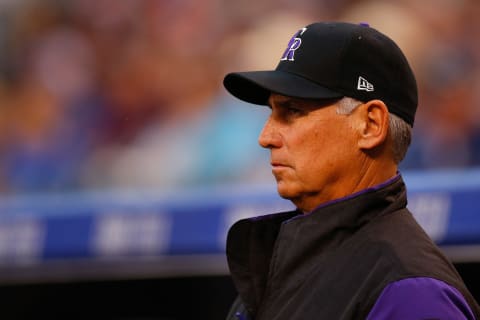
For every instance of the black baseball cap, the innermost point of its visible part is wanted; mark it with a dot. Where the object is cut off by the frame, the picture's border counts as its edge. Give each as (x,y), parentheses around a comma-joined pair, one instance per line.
(331,60)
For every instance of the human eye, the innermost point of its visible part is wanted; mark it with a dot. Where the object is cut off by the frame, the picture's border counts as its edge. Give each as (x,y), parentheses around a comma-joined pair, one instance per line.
(288,111)
(293,111)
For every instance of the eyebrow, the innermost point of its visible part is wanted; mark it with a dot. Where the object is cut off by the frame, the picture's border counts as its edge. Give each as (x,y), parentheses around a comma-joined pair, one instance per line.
(286,103)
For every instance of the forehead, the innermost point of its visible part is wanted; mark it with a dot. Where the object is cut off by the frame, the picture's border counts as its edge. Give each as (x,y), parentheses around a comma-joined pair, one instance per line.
(286,101)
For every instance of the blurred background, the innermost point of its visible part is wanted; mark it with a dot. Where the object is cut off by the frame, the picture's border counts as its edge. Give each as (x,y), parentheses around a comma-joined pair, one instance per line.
(118,143)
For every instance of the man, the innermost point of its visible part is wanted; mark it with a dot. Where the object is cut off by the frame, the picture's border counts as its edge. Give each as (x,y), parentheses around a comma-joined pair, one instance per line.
(343,101)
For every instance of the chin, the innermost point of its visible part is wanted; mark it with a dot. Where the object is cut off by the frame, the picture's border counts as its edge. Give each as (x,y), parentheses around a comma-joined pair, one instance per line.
(286,192)
(297,195)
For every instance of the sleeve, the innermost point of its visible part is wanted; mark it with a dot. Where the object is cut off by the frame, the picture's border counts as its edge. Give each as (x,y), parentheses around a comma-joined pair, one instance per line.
(420,298)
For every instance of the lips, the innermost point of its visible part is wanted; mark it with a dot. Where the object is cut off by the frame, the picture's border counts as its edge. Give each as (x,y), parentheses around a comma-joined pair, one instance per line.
(275,164)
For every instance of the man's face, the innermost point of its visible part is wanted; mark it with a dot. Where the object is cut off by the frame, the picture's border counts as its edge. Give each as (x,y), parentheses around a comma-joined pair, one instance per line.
(312,150)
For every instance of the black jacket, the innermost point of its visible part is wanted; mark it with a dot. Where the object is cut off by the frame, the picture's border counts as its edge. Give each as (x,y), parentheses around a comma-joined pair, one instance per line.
(334,262)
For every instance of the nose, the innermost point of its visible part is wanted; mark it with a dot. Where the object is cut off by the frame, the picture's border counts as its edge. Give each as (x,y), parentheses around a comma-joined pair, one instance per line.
(269,137)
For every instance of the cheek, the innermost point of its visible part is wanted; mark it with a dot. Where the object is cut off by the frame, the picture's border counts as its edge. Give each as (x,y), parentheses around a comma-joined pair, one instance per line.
(314,153)
(321,144)
(324,150)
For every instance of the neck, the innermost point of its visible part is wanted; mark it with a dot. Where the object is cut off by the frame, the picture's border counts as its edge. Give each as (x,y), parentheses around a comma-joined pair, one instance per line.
(367,176)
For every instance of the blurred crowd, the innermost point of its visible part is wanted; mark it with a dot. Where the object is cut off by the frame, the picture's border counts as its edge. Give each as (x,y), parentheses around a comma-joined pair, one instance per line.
(127,94)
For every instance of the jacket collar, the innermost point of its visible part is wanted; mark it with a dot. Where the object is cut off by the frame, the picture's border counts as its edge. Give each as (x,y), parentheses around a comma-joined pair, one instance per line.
(267,250)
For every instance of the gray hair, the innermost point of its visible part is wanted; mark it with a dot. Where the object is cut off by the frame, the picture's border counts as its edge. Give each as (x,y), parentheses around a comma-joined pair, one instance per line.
(400,132)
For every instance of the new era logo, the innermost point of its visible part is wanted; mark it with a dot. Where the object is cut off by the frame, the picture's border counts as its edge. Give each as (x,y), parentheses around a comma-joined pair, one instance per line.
(363,84)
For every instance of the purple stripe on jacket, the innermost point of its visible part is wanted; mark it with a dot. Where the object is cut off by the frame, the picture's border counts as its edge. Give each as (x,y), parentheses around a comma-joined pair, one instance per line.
(356,194)
(420,298)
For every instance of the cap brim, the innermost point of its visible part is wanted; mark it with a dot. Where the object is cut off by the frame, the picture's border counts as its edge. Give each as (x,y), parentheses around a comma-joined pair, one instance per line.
(256,86)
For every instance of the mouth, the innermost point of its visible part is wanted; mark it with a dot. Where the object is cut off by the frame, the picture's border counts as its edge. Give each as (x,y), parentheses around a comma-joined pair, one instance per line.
(278,165)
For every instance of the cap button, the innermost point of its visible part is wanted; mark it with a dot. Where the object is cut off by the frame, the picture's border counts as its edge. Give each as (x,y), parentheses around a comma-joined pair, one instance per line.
(364,24)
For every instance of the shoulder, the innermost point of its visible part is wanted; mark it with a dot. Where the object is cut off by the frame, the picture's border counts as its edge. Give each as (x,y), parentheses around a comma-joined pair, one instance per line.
(399,241)
(420,298)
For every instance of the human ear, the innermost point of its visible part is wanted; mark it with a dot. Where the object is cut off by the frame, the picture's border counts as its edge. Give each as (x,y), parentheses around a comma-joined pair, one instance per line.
(373,130)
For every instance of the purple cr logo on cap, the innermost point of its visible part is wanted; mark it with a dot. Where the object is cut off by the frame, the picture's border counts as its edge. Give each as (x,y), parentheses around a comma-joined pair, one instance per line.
(293,45)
